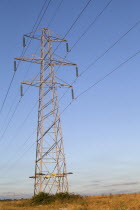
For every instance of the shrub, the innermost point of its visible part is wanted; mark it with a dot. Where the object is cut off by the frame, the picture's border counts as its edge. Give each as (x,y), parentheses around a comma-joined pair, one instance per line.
(42,198)
(45,198)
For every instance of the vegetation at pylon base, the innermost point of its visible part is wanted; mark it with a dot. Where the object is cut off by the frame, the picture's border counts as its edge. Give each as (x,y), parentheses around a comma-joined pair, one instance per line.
(42,198)
(67,196)
(45,198)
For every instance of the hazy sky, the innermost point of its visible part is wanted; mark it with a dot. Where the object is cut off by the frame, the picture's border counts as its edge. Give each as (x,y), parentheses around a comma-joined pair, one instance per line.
(101,128)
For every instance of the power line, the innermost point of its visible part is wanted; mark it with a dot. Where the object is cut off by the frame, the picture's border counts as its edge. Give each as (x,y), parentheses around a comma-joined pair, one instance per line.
(27,44)
(104,53)
(36,22)
(90,25)
(78,17)
(44,13)
(36,27)
(15,112)
(80,14)
(23,52)
(87,29)
(93,22)
(21,156)
(53,17)
(24,121)
(16,96)
(39,14)
(7,162)
(17,105)
(104,77)
(7,92)
(116,42)
(34,132)
(10,120)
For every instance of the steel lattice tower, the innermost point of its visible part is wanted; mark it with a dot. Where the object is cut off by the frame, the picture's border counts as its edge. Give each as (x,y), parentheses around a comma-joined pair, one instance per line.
(50,165)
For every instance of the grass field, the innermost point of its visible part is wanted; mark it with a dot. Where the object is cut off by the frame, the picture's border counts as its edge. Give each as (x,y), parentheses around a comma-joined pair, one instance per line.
(106,202)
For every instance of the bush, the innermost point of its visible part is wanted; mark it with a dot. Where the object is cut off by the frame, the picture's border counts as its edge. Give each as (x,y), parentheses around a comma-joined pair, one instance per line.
(42,198)
(66,196)
(45,198)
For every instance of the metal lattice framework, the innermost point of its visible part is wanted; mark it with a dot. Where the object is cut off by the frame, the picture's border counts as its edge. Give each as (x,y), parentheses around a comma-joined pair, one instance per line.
(50,165)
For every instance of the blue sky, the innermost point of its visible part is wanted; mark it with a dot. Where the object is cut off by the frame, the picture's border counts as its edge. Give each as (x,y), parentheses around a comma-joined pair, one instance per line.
(101,128)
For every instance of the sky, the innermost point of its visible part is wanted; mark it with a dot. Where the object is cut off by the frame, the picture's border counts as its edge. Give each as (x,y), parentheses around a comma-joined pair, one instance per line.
(101,127)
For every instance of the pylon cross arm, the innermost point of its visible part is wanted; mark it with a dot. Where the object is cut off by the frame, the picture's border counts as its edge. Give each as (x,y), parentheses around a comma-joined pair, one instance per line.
(47,84)
(38,60)
(30,59)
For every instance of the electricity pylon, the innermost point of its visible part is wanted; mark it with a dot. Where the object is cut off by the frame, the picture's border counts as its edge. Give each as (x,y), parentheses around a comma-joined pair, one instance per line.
(50,165)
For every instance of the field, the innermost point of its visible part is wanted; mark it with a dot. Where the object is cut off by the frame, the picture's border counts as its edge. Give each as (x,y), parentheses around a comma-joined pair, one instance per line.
(106,202)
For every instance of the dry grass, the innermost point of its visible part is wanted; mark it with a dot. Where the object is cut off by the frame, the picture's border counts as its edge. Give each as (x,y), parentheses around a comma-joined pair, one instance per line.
(108,202)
